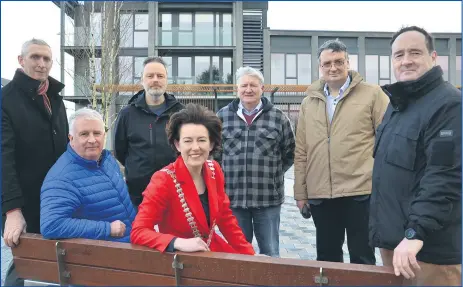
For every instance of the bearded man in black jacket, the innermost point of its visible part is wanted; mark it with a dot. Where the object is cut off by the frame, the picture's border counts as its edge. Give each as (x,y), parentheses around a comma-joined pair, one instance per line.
(415,212)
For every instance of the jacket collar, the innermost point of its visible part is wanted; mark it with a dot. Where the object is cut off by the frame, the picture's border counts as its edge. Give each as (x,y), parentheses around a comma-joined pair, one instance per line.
(401,93)
(191,194)
(138,101)
(31,85)
(266,105)
(317,88)
(88,164)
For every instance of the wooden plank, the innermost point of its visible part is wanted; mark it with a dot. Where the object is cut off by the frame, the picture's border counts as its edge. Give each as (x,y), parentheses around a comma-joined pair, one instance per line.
(47,271)
(231,268)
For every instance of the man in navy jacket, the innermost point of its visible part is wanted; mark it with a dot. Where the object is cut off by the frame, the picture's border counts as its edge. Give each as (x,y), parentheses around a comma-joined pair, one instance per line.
(415,215)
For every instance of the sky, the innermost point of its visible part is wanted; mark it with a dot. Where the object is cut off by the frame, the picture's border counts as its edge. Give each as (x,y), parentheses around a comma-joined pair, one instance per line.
(21,21)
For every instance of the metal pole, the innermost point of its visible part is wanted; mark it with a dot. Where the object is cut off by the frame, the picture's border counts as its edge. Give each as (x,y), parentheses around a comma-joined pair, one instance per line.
(63,31)
(272,95)
(216,101)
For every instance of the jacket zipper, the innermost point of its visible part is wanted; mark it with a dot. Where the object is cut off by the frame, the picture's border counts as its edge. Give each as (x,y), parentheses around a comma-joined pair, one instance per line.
(151,134)
(329,124)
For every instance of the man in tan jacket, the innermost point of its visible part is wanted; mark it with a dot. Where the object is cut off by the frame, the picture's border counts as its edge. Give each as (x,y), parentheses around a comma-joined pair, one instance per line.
(333,157)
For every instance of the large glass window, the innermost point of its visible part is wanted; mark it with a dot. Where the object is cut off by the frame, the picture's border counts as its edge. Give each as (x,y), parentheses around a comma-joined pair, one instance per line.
(290,66)
(372,69)
(126,70)
(168,61)
(185,34)
(184,70)
(96,27)
(138,68)
(141,21)
(384,67)
(126,30)
(227,70)
(277,69)
(353,62)
(140,36)
(166,29)
(204,29)
(458,73)
(227,30)
(304,76)
(202,70)
(443,61)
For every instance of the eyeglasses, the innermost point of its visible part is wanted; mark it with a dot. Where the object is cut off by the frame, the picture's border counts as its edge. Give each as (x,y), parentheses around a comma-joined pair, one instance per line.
(337,64)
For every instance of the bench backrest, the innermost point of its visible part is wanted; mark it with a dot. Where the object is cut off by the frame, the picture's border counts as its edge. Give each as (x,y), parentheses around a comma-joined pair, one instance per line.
(92,262)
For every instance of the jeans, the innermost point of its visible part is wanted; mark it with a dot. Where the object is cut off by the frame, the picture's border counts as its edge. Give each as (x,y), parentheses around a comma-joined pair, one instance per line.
(265,224)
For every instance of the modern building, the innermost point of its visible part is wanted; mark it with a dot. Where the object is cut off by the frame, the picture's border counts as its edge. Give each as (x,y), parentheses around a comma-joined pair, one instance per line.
(204,42)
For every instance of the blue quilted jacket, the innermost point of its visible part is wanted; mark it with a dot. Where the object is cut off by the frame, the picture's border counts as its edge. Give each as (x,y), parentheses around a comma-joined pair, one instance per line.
(80,198)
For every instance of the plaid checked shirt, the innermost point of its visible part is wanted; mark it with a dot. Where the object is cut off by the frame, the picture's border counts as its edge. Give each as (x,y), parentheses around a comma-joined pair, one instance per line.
(255,157)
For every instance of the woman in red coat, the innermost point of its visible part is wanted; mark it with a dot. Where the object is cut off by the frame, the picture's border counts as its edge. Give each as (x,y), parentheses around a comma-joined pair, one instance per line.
(186,199)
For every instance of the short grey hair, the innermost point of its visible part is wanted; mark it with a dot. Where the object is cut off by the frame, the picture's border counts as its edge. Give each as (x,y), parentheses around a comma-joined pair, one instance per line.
(33,41)
(85,113)
(249,71)
(335,45)
(155,60)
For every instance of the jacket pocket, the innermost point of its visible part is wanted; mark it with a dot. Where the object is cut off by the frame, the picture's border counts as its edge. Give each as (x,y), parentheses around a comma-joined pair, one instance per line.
(231,141)
(402,149)
(266,142)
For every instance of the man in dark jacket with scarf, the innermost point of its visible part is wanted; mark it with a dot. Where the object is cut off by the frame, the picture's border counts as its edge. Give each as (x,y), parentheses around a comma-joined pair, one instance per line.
(415,216)
(140,142)
(34,135)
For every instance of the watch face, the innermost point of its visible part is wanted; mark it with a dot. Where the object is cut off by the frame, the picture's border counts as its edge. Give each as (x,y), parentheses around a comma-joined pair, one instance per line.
(410,233)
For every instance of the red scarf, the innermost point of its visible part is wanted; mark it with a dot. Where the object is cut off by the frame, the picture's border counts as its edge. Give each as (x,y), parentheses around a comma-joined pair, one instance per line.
(42,91)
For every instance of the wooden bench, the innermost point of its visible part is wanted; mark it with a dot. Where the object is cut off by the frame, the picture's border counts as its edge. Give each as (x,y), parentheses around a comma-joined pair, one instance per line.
(91,262)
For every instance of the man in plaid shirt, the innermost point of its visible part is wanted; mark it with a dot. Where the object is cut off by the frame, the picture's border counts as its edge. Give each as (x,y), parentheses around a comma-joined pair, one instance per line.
(258,148)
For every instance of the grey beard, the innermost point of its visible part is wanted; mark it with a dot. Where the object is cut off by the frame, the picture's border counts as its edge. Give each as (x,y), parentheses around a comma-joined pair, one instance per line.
(155,94)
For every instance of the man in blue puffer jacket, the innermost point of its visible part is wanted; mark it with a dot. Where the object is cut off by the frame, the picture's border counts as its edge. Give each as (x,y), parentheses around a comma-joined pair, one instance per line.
(84,194)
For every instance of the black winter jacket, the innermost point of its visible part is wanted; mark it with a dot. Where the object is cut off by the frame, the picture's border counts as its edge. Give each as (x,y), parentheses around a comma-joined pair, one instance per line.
(140,142)
(417,169)
(32,141)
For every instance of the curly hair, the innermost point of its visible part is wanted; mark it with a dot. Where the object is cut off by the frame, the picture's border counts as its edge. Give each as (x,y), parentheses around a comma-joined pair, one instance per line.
(198,115)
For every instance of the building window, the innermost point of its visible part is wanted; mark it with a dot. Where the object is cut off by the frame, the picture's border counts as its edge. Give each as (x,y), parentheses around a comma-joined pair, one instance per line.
(458,73)
(227,30)
(353,62)
(96,27)
(141,21)
(126,30)
(227,70)
(443,62)
(277,69)
(140,34)
(126,70)
(97,71)
(304,77)
(166,29)
(203,70)
(184,71)
(185,33)
(372,69)
(204,29)
(291,67)
(138,68)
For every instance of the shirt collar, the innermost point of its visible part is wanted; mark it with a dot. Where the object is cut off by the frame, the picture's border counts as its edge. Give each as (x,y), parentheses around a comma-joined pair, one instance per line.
(254,111)
(341,90)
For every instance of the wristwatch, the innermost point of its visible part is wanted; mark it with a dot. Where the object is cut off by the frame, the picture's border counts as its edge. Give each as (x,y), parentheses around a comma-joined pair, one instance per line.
(411,234)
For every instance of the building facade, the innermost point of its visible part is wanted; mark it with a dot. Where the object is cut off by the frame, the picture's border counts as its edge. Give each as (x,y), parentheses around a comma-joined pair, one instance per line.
(205,42)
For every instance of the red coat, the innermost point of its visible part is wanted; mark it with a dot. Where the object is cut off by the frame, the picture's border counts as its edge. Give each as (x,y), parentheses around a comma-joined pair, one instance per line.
(161,205)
